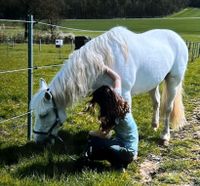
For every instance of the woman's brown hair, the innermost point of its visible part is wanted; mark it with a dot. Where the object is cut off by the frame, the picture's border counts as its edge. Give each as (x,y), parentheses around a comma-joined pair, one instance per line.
(111,105)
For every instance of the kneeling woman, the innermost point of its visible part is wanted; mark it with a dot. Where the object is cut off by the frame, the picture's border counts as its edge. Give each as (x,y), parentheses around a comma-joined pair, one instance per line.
(114,114)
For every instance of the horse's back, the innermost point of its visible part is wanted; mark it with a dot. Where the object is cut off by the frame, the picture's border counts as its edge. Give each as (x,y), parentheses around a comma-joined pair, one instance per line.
(151,56)
(172,48)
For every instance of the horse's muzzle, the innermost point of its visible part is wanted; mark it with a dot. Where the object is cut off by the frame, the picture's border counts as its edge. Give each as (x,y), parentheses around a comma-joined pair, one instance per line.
(44,140)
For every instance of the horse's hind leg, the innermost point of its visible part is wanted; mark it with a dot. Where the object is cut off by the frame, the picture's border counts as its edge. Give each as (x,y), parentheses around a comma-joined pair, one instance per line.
(171,89)
(155,95)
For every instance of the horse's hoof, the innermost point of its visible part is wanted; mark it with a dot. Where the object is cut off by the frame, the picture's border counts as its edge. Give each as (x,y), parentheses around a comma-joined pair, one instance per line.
(155,129)
(155,126)
(164,143)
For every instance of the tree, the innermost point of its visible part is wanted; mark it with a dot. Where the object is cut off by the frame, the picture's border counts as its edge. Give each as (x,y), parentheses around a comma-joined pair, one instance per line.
(52,10)
(195,3)
(49,10)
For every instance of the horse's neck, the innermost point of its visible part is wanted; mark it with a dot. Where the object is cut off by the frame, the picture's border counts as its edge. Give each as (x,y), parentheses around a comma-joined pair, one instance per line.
(58,93)
(70,85)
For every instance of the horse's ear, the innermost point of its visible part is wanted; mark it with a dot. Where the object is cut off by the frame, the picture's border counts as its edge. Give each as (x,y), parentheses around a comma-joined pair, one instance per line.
(43,84)
(47,95)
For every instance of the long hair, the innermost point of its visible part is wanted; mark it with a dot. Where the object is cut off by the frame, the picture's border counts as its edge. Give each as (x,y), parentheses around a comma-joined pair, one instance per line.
(111,106)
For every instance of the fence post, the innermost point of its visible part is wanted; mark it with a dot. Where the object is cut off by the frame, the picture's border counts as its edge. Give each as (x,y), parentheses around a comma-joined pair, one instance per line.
(30,73)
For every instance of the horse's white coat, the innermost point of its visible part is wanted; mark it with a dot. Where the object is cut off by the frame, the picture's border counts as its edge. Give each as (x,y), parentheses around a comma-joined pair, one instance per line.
(142,60)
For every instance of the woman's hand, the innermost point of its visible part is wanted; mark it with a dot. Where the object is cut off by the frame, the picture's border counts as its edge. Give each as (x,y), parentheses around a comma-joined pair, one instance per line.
(101,134)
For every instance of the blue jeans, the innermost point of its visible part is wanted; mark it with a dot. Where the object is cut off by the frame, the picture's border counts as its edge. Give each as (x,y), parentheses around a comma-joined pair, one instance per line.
(109,149)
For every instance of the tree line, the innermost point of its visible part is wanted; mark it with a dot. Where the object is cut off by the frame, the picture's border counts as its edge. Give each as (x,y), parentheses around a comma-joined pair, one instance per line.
(52,10)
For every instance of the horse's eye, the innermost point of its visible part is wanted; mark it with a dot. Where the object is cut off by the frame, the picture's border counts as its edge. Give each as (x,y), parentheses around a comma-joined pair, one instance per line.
(43,115)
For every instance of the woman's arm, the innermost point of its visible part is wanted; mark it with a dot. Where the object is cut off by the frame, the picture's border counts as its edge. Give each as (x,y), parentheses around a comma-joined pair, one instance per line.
(116,79)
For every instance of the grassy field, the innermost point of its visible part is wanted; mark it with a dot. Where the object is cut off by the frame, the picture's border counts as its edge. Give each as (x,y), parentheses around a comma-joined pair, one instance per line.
(139,25)
(24,163)
(185,23)
(188,28)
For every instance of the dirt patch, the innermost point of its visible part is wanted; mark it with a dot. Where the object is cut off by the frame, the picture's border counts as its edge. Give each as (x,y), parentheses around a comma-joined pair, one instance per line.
(150,167)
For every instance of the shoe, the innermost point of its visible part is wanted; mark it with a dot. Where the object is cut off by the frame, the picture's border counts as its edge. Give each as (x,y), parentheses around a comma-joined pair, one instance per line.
(119,168)
(127,156)
(83,161)
(122,170)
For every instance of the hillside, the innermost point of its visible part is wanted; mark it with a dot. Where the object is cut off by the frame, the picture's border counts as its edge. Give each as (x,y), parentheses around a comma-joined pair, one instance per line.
(187,12)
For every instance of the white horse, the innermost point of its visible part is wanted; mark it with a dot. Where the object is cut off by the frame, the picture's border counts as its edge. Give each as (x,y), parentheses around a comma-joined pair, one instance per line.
(143,61)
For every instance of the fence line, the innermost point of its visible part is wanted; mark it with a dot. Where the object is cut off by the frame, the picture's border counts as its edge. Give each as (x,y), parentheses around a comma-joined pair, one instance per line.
(13,118)
(12,20)
(34,68)
(194,50)
(52,25)
(17,70)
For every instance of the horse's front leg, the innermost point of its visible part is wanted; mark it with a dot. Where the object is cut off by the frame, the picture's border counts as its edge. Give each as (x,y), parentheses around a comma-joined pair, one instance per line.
(155,96)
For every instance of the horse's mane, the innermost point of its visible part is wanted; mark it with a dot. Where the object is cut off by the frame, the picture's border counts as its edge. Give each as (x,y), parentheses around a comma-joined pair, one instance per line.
(80,71)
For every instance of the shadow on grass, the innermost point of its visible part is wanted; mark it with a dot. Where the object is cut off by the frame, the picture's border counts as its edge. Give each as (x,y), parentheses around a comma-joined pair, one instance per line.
(73,144)
(45,161)
(10,155)
(57,169)
(55,161)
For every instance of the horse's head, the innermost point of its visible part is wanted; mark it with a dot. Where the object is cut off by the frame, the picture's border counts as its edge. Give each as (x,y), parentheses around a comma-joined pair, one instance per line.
(48,116)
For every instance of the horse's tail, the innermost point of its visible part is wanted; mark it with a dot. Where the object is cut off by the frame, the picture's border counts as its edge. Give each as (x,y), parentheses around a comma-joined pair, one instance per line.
(177,116)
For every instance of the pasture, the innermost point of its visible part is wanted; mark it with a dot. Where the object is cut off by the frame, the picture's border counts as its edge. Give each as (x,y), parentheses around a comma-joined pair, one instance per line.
(24,163)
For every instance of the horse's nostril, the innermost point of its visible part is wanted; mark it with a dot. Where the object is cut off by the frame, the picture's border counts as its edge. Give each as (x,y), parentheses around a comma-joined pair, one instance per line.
(39,139)
(40,142)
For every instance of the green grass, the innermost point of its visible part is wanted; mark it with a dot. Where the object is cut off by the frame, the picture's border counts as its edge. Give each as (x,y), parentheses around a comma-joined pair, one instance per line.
(189,32)
(24,163)
(137,25)
(188,27)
